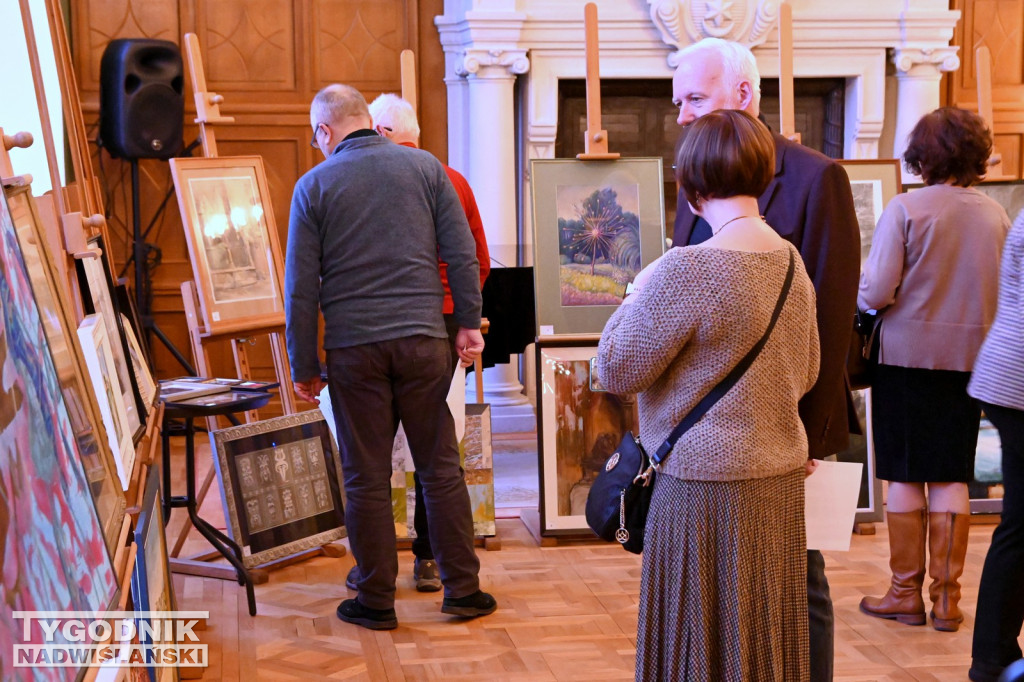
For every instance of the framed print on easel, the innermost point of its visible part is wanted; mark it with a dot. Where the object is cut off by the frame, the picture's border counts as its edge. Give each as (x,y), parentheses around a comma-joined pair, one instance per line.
(596,224)
(232,240)
(874,183)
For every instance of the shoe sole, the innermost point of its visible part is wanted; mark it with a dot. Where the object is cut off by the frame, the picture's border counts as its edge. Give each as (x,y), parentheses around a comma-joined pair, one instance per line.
(468,611)
(904,618)
(428,586)
(369,623)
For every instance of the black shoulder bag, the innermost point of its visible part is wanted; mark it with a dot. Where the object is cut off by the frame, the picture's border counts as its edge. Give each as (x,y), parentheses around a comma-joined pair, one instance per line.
(621,495)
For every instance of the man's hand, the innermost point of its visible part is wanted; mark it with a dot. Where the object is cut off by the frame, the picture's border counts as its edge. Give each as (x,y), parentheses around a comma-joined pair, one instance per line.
(469,344)
(309,389)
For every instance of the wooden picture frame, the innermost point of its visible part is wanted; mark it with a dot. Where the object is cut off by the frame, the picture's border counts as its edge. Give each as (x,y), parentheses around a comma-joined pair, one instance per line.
(61,335)
(99,359)
(596,224)
(96,284)
(281,485)
(875,182)
(232,241)
(55,552)
(578,429)
(152,585)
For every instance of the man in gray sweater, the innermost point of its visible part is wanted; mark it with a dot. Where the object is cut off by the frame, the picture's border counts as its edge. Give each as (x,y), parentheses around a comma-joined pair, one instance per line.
(364,234)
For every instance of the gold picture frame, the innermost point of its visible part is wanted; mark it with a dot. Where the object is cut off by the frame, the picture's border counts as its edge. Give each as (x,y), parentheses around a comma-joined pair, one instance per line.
(232,241)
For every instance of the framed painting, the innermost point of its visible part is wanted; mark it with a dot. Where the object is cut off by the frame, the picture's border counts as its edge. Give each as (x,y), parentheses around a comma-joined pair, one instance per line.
(152,587)
(986,490)
(874,183)
(232,240)
(58,323)
(281,485)
(596,224)
(47,514)
(99,358)
(578,429)
(97,286)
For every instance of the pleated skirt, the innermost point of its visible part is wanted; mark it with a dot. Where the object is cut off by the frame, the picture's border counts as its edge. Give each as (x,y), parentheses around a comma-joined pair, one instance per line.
(723,594)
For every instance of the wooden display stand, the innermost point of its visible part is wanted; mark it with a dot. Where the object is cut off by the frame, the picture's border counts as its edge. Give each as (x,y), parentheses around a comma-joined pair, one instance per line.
(787,104)
(983,63)
(208,114)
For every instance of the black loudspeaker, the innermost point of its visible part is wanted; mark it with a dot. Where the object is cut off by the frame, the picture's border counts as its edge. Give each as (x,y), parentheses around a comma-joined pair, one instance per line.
(142,105)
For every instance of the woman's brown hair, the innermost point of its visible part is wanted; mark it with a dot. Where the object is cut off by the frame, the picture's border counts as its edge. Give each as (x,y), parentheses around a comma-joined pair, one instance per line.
(949,144)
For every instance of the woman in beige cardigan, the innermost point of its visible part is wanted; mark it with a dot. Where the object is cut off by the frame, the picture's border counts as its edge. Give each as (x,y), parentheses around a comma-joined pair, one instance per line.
(932,274)
(723,594)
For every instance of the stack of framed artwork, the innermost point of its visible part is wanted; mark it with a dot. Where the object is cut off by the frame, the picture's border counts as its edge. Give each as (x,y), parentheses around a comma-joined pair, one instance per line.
(596,224)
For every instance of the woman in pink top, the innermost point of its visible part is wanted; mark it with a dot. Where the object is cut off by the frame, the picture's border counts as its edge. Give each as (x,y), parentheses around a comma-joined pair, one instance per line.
(932,275)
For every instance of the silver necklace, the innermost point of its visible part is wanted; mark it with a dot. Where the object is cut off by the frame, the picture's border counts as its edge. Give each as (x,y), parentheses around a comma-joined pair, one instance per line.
(732,220)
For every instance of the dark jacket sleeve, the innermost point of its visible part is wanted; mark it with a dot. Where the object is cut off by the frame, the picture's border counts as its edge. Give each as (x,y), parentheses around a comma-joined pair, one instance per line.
(830,247)
(458,249)
(302,287)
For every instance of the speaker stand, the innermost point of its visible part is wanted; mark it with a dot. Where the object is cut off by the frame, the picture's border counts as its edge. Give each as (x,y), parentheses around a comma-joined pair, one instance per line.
(143,281)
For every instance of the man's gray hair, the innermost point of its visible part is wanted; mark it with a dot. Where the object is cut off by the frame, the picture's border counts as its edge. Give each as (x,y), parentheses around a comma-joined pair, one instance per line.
(738,63)
(337,102)
(391,111)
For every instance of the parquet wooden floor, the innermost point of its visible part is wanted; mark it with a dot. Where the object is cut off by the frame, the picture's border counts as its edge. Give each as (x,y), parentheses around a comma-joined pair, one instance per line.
(565,613)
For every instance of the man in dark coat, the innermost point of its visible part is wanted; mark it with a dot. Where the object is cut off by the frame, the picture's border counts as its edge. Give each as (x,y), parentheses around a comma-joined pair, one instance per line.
(809,203)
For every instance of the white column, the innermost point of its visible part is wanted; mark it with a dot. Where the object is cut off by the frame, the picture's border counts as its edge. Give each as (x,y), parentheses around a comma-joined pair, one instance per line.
(482,137)
(918,72)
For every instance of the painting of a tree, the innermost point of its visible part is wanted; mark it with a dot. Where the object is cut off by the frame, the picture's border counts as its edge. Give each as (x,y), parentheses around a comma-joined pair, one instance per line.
(599,243)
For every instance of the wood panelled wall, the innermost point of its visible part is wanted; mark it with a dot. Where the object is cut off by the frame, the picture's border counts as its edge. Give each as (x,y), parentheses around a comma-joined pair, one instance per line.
(998,24)
(267,58)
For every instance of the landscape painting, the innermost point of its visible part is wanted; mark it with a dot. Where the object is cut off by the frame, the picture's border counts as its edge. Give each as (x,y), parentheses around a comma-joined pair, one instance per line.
(598,243)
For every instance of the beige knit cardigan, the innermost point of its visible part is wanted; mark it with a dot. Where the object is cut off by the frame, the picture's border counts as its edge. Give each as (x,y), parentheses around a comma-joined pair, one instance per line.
(696,317)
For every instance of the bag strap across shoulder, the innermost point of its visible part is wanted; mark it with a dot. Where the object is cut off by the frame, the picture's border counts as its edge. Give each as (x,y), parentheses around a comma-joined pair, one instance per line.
(716,393)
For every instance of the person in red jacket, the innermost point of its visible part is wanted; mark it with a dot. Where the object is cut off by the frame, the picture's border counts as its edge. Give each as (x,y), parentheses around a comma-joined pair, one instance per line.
(394,118)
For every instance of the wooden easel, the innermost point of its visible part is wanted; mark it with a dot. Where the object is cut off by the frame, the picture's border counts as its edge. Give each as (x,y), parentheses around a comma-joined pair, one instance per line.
(595,145)
(983,66)
(207,115)
(787,113)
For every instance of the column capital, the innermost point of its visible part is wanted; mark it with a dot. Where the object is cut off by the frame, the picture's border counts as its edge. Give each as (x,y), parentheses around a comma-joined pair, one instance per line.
(484,62)
(932,60)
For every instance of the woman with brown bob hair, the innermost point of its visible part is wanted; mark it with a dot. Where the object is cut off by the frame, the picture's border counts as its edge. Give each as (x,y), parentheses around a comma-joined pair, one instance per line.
(723,594)
(933,276)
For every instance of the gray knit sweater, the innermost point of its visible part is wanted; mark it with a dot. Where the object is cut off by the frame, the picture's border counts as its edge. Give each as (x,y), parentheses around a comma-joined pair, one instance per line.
(364,234)
(699,313)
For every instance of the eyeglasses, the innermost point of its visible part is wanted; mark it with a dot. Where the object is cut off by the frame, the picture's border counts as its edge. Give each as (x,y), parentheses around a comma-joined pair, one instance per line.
(313,143)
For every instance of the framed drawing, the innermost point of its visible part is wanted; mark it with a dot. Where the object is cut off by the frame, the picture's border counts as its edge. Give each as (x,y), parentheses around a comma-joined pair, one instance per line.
(58,323)
(1009,195)
(596,224)
(874,183)
(578,429)
(97,286)
(99,358)
(232,240)
(280,481)
(862,449)
(152,587)
(986,490)
(47,515)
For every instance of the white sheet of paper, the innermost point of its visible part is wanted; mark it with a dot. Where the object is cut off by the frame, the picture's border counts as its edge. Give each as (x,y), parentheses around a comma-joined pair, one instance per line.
(328,412)
(830,504)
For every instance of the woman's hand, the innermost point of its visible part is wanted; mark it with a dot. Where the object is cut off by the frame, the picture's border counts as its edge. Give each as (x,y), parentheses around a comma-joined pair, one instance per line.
(810,466)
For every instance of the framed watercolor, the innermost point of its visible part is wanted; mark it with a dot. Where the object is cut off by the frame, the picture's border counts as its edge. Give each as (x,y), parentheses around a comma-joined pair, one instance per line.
(874,183)
(281,485)
(46,511)
(862,449)
(99,358)
(596,224)
(97,287)
(54,305)
(232,240)
(578,429)
(1008,194)
(152,587)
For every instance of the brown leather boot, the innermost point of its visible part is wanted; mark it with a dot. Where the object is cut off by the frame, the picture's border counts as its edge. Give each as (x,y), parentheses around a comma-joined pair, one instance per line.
(906,560)
(947,549)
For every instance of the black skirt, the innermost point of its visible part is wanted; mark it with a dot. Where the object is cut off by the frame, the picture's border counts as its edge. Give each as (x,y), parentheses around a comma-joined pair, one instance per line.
(924,424)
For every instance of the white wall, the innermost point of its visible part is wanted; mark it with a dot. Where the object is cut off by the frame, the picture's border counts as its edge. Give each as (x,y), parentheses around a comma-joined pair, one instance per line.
(18,108)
